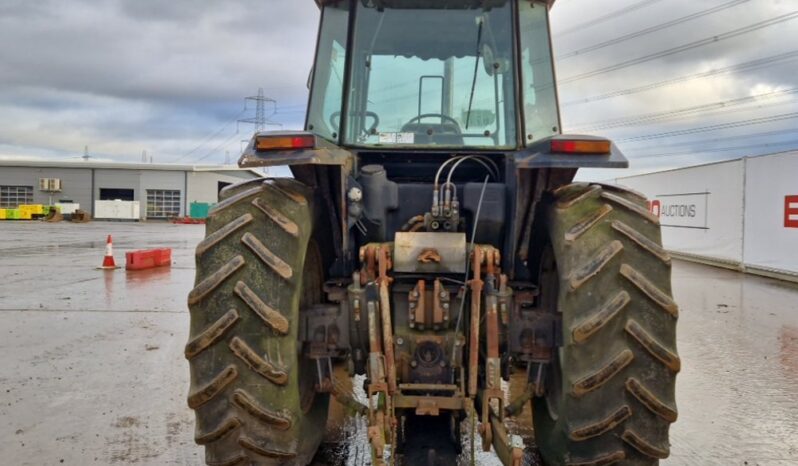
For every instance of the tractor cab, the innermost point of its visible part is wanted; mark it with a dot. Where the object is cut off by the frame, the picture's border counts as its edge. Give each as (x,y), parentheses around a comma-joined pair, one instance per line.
(440,74)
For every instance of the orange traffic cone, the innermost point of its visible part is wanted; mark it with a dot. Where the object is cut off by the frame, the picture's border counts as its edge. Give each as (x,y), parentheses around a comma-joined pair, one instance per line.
(108,260)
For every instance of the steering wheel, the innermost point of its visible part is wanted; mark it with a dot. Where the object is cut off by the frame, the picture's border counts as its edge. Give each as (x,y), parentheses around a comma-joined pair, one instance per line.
(454,124)
(335,120)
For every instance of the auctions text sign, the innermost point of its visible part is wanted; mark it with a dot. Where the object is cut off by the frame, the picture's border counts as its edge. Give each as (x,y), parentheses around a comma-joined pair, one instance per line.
(687,210)
(700,208)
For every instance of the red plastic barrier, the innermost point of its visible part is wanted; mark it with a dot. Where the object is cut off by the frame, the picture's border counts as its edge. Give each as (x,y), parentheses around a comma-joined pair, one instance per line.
(142,260)
(188,221)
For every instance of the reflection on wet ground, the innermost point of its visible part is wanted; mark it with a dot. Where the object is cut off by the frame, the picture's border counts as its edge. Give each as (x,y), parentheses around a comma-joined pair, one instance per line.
(92,369)
(738,390)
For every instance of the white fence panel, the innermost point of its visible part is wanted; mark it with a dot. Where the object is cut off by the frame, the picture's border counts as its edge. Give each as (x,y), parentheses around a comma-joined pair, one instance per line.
(771,213)
(701,208)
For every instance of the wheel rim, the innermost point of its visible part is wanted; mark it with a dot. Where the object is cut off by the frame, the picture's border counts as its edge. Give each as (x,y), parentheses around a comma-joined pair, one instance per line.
(554,387)
(311,294)
(550,290)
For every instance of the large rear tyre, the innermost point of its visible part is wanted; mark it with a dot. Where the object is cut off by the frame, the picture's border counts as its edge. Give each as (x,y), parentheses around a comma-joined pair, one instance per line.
(252,391)
(610,390)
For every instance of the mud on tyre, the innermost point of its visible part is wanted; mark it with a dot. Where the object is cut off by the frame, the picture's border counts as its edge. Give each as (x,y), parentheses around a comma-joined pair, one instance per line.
(251,390)
(610,390)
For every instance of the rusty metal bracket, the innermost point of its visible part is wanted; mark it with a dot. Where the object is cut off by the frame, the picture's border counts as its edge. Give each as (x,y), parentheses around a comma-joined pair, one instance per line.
(441,305)
(476,284)
(418,306)
(376,259)
(509,448)
(368,257)
(384,261)
(420,316)
(378,397)
(492,369)
(429,255)
(325,331)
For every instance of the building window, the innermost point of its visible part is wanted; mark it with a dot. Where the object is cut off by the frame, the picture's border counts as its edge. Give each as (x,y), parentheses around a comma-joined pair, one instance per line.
(162,203)
(116,194)
(11,197)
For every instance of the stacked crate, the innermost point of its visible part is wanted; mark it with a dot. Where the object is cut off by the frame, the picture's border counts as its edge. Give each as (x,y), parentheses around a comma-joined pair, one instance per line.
(30,211)
(25,212)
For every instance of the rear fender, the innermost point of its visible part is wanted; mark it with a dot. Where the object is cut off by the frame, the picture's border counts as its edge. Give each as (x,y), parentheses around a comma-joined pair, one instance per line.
(324,153)
(539,155)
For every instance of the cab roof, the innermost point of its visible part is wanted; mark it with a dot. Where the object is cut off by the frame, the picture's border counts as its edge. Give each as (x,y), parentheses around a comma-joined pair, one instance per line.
(432,4)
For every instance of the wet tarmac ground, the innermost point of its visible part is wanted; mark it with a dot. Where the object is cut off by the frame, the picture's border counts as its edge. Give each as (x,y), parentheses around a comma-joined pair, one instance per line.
(92,368)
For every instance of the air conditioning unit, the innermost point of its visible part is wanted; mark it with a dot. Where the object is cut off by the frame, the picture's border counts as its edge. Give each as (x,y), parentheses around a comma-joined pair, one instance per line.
(50,185)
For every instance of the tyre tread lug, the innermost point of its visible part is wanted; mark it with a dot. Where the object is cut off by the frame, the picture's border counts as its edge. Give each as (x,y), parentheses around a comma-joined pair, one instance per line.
(644,446)
(261,365)
(213,388)
(603,375)
(212,334)
(650,401)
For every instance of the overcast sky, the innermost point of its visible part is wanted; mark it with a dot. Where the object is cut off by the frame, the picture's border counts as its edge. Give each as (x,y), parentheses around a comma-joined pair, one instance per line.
(170,77)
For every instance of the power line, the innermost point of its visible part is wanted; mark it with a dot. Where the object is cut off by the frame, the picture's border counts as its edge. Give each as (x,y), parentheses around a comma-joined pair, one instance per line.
(720,149)
(652,29)
(705,129)
(260,120)
(745,66)
(675,114)
(716,140)
(608,17)
(289,112)
(217,148)
(683,48)
(211,137)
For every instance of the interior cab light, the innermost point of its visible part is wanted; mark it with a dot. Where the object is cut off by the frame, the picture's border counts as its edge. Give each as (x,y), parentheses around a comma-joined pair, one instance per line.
(285,142)
(581,146)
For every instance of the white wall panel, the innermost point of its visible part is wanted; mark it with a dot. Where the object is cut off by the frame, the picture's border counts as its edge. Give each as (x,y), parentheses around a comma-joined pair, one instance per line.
(204,186)
(75,183)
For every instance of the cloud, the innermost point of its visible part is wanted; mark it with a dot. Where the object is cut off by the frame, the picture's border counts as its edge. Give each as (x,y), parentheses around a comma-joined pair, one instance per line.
(757,44)
(124,76)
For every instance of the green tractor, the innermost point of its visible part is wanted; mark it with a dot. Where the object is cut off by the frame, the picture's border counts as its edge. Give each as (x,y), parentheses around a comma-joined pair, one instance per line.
(433,243)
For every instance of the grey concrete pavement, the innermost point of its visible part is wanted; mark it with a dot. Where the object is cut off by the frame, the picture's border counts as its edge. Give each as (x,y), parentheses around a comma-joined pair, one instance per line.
(92,372)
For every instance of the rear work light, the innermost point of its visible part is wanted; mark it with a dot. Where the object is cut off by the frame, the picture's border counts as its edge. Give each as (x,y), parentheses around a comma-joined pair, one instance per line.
(284,142)
(581,146)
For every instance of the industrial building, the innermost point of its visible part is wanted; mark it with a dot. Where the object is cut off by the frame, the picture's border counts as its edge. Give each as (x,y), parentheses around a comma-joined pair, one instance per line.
(157,191)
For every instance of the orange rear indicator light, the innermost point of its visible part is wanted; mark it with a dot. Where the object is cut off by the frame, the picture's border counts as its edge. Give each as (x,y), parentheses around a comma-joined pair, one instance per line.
(269,143)
(581,146)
